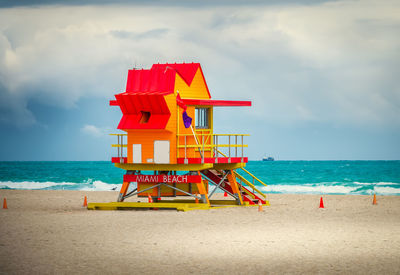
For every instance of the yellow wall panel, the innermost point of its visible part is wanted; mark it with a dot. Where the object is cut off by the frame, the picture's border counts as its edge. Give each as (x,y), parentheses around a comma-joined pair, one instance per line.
(197,88)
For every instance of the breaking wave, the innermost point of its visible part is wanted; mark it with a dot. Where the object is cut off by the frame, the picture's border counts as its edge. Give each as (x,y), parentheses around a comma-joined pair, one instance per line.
(87,185)
(355,188)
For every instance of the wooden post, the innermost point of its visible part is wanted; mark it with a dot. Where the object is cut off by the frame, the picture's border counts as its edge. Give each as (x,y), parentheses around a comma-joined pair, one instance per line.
(122,193)
(202,191)
(234,185)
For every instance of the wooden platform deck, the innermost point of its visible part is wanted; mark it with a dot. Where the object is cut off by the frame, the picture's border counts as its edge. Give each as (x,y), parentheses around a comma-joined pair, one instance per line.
(179,205)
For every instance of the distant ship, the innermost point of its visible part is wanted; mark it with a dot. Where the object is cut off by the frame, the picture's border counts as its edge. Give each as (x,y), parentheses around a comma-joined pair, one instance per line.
(268,159)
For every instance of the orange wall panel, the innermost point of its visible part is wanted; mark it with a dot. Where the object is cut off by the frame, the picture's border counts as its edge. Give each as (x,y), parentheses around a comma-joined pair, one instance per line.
(147,138)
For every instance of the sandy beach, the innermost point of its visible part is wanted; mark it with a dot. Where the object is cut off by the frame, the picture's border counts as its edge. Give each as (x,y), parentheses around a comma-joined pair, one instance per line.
(49,232)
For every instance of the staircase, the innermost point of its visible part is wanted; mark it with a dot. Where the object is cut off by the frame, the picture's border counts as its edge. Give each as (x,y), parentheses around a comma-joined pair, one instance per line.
(251,196)
(216,176)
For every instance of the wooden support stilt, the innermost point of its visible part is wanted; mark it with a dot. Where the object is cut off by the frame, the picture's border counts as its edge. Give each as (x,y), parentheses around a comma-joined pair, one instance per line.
(123,191)
(235,187)
(202,191)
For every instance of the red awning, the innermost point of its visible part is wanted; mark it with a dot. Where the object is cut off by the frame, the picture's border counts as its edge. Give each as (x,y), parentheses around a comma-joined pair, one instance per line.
(133,106)
(211,102)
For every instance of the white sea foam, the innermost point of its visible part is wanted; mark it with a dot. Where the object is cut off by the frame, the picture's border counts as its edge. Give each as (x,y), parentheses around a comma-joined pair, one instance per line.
(88,185)
(31,184)
(335,189)
(320,189)
(377,183)
(387,190)
(384,188)
(98,185)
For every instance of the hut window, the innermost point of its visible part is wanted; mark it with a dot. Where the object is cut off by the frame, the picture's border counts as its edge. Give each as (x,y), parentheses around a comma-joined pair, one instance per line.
(202,118)
(145,117)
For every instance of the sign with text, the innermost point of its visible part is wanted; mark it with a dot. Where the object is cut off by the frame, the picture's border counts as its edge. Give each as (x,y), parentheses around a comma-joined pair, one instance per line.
(163,178)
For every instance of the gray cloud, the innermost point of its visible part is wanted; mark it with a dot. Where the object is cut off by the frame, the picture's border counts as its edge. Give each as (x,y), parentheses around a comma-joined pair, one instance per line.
(156,33)
(184,3)
(333,63)
(13,110)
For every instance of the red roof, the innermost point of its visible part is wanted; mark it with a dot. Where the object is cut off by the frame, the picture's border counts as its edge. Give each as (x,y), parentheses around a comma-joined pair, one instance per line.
(145,91)
(154,81)
(160,79)
(186,71)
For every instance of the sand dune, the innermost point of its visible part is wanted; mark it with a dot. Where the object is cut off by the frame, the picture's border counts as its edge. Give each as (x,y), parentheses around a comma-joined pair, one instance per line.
(50,232)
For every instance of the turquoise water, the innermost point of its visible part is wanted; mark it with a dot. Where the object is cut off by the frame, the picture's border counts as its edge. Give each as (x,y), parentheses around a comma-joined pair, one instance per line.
(298,177)
(329,177)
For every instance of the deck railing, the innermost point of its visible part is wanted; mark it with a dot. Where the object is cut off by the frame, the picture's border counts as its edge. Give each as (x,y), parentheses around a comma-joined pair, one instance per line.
(120,145)
(232,144)
(207,142)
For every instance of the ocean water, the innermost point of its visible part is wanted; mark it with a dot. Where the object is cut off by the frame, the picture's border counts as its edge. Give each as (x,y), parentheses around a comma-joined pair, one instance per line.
(328,177)
(296,177)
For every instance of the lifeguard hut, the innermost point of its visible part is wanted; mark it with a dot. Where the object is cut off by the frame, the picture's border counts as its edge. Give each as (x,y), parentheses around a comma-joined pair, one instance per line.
(170,149)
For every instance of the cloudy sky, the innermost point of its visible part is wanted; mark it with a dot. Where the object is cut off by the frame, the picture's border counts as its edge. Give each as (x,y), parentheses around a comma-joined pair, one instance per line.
(323,76)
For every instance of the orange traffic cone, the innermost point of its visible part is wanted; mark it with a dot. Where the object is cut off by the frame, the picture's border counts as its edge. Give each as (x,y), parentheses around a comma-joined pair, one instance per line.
(374,200)
(259,206)
(5,204)
(197,200)
(321,203)
(225,194)
(151,201)
(85,202)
